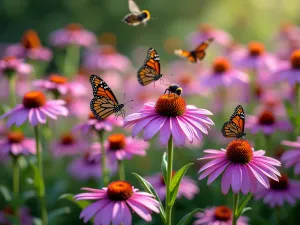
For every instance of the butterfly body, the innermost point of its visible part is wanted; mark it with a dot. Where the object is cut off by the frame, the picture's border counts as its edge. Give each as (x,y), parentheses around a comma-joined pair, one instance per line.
(136,16)
(174,88)
(150,71)
(196,55)
(234,128)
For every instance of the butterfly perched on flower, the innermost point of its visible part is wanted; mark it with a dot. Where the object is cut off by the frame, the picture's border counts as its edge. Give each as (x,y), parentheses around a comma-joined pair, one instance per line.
(136,16)
(104,102)
(150,71)
(174,88)
(234,128)
(196,55)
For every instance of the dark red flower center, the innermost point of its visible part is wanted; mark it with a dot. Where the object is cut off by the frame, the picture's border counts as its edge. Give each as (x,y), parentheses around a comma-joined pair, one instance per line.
(74,27)
(223,213)
(266,118)
(117,141)
(205,28)
(295,59)
(239,151)
(9,58)
(30,39)
(15,137)
(185,79)
(119,191)
(34,99)
(170,105)
(108,38)
(221,65)
(58,79)
(256,49)
(108,50)
(283,183)
(67,139)
(8,211)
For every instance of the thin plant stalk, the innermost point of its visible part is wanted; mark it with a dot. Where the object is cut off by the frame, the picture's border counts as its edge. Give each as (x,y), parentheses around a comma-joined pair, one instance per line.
(40,168)
(168,182)
(278,216)
(72,60)
(121,170)
(105,174)
(12,89)
(16,177)
(235,208)
(297,105)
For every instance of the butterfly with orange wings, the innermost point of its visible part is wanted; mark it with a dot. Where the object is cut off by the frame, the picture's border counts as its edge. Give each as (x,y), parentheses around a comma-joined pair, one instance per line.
(196,55)
(104,102)
(150,71)
(234,128)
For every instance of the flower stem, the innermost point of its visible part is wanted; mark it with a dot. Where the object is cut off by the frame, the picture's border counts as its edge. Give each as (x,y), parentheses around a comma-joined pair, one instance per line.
(41,193)
(105,175)
(168,183)
(16,177)
(121,168)
(278,217)
(12,89)
(235,208)
(72,60)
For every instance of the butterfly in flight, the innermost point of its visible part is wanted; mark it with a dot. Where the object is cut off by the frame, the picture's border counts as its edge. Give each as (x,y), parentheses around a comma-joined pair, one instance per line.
(234,128)
(104,102)
(136,16)
(174,88)
(150,71)
(196,55)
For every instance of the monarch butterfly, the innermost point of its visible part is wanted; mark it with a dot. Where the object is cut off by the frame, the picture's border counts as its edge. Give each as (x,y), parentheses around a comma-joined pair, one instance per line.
(136,16)
(234,128)
(197,54)
(104,102)
(150,71)
(174,88)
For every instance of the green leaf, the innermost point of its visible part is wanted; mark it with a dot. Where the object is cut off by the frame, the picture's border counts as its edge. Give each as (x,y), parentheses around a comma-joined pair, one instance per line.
(6,193)
(245,210)
(81,204)
(187,218)
(164,166)
(28,195)
(245,200)
(38,181)
(148,187)
(290,112)
(37,221)
(56,213)
(22,162)
(175,183)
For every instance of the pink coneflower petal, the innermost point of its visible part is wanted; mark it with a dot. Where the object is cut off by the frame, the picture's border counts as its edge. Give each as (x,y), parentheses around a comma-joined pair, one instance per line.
(118,213)
(236,180)
(260,177)
(216,172)
(153,128)
(165,132)
(179,137)
(104,216)
(226,179)
(140,125)
(142,211)
(91,210)
(127,215)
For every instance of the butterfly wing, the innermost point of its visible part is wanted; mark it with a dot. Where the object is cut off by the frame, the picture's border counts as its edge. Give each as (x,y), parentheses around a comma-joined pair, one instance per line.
(100,88)
(238,118)
(102,107)
(230,130)
(200,50)
(186,54)
(133,8)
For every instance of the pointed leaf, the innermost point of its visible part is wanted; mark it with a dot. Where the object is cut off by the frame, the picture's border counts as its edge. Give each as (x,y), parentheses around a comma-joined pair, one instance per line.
(290,112)
(6,193)
(148,187)
(187,218)
(245,200)
(164,166)
(81,204)
(175,183)
(245,210)
(38,181)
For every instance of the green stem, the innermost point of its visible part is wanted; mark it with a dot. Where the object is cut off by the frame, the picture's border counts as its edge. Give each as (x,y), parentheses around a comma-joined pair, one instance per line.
(121,170)
(235,208)
(16,177)
(297,104)
(168,182)
(278,217)
(105,175)
(40,168)
(12,90)
(72,60)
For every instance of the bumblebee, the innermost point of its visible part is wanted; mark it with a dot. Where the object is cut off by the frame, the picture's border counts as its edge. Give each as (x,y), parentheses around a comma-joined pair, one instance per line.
(136,16)
(174,88)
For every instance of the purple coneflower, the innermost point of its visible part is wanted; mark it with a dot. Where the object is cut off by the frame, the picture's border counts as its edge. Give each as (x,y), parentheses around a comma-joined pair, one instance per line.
(243,167)
(12,65)
(220,215)
(292,157)
(267,122)
(36,109)
(58,84)
(16,144)
(279,192)
(116,203)
(171,116)
(72,34)
(188,188)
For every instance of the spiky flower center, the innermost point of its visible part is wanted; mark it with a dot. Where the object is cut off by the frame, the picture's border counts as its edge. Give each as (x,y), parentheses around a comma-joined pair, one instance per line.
(58,79)
(34,99)
(170,105)
(239,151)
(74,27)
(295,59)
(223,213)
(256,49)
(283,183)
(30,39)
(67,139)
(117,141)
(15,137)
(9,58)
(266,118)
(119,191)
(221,65)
